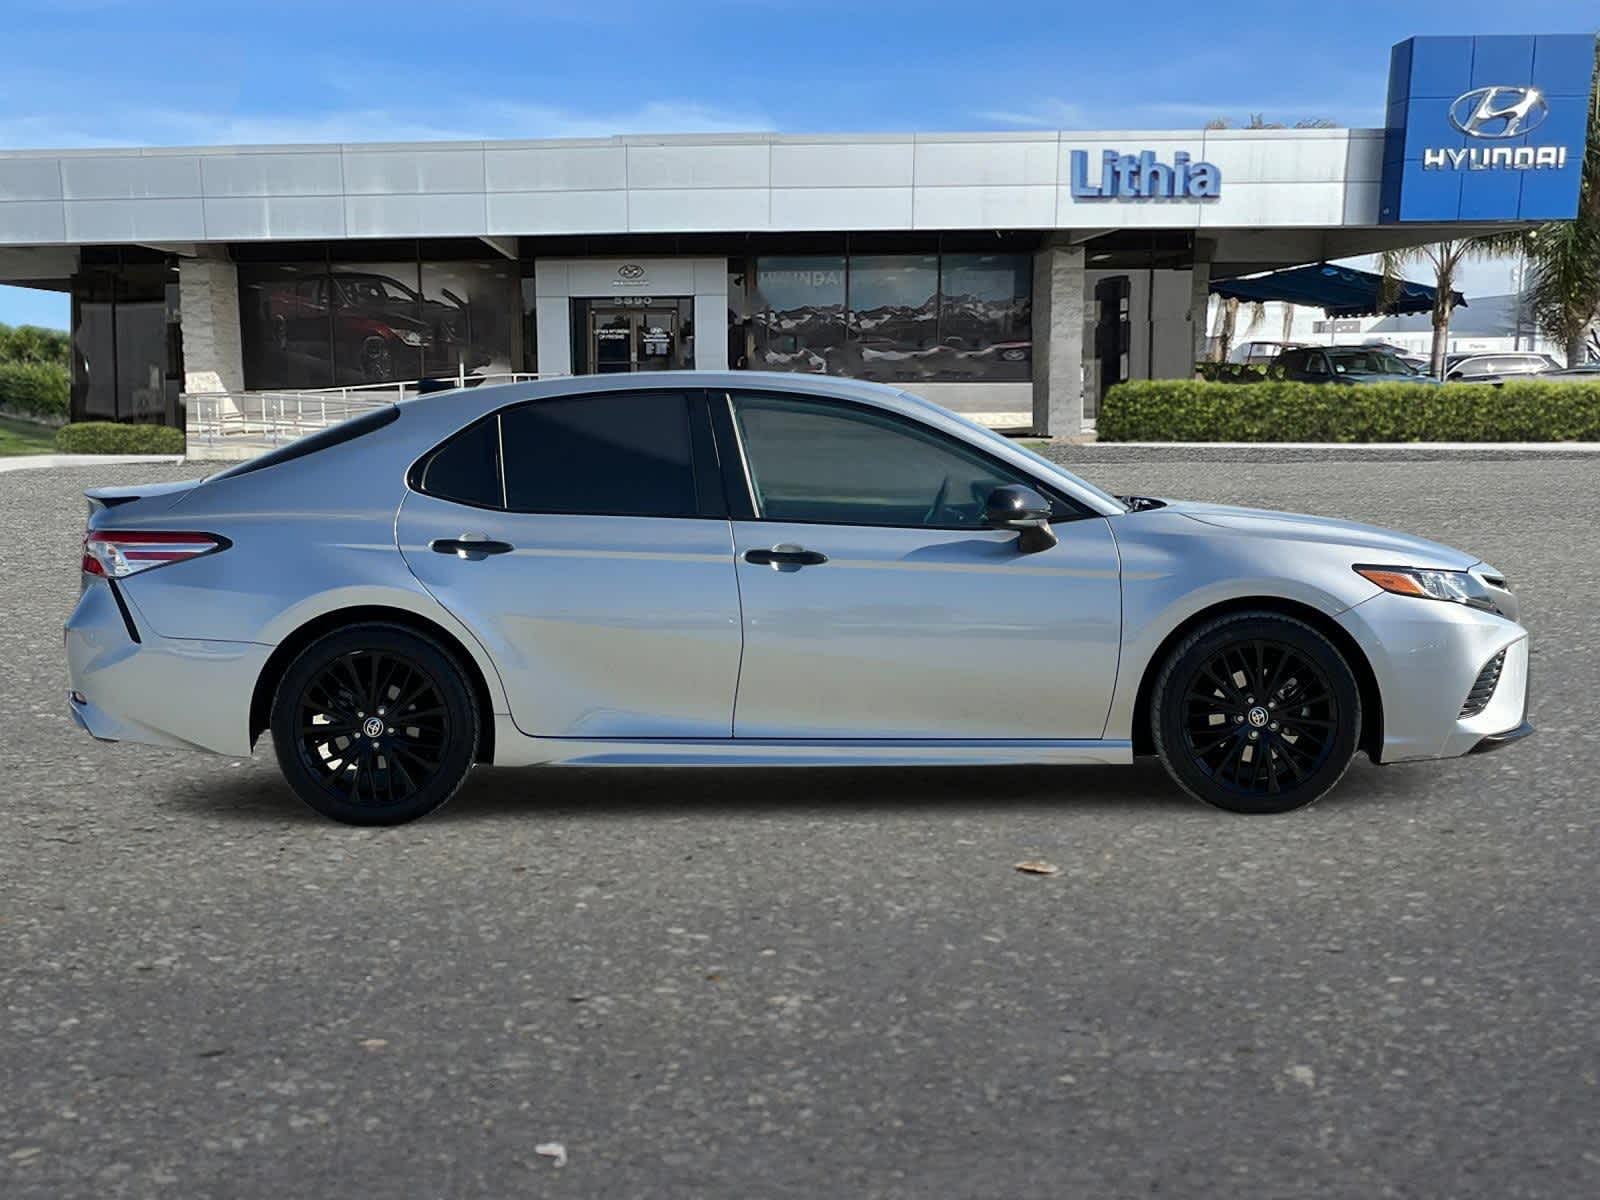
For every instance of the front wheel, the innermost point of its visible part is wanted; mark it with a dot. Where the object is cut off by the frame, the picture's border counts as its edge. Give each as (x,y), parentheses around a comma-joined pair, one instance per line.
(374,725)
(1256,713)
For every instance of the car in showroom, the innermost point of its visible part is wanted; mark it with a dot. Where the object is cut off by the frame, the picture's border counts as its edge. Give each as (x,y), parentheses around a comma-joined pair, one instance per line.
(1344,364)
(759,569)
(381,328)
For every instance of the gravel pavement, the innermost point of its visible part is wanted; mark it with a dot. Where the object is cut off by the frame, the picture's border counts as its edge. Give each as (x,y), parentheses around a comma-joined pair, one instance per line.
(760,984)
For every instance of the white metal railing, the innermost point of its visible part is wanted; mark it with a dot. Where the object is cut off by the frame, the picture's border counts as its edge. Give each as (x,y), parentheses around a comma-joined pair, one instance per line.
(241,424)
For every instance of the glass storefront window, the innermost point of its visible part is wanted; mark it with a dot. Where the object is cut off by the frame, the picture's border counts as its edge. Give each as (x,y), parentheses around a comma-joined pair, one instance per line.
(126,361)
(910,318)
(894,316)
(799,313)
(985,317)
(318,325)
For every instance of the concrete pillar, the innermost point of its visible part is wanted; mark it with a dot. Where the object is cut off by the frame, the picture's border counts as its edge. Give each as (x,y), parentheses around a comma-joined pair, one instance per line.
(208,298)
(1058,305)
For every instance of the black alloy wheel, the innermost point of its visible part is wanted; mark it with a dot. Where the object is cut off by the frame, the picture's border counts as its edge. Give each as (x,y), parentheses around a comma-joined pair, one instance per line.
(1256,713)
(375,725)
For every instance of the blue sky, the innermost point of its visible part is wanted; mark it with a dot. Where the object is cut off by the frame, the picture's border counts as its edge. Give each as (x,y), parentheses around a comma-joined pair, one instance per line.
(108,72)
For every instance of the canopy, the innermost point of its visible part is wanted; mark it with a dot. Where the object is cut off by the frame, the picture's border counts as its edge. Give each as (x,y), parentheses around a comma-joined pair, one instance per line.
(1338,291)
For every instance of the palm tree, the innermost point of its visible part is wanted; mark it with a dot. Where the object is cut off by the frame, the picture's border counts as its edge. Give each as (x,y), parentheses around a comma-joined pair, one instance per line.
(1564,256)
(1445,258)
(1227,322)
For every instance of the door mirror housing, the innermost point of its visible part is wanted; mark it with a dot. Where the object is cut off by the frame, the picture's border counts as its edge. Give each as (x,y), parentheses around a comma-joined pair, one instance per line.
(1025,510)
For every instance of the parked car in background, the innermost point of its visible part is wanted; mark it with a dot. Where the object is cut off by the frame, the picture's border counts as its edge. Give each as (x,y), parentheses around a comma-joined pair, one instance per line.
(1492,367)
(1344,364)
(1417,362)
(744,568)
(1586,373)
(1259,353)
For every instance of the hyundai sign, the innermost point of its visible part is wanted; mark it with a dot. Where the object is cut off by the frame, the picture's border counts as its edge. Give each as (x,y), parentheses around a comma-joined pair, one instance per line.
(1486,128)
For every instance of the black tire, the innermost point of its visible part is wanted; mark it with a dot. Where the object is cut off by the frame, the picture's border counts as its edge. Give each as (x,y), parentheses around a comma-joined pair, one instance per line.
(375,725)
(1264,674)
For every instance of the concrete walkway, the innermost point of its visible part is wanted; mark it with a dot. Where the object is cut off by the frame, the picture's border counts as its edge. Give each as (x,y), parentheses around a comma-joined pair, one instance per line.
(24,462)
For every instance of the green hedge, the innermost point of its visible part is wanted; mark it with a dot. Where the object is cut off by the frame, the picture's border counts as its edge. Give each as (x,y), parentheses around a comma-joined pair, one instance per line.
(34,389)
(1187,410)
(108,437)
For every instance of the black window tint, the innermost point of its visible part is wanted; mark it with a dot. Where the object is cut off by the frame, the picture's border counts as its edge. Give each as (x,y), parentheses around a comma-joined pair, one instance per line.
(615,454)
(467,468)
(815,461)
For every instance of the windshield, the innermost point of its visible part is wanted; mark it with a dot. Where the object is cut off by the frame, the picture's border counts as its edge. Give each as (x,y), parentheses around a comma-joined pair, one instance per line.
(374,290)
(1369,362)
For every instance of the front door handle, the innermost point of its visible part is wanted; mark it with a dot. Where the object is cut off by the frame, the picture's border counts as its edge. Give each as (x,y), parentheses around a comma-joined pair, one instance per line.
(785,556)
(470,546)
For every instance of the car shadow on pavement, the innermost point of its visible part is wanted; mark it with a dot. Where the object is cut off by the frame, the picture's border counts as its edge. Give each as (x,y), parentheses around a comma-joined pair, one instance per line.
(630,793)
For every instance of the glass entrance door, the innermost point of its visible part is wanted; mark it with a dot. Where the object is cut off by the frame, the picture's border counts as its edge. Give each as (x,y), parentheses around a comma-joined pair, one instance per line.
(636,337)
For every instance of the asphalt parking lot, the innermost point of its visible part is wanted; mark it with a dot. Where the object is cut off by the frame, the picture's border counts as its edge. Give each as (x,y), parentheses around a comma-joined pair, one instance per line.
(767,984)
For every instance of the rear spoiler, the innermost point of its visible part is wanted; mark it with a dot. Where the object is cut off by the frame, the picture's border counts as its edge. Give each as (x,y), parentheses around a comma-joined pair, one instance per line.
(102,498)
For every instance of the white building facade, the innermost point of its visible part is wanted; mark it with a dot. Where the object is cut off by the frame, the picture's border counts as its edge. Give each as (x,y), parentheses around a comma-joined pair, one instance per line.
(1011,275)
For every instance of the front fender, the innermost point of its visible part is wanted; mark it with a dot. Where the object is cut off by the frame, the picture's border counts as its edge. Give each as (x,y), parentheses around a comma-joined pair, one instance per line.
(1173,569)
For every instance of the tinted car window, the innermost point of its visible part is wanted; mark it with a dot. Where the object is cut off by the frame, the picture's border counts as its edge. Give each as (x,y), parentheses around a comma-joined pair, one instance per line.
(836,464)
(1292,360)
(467,467)
(614,454)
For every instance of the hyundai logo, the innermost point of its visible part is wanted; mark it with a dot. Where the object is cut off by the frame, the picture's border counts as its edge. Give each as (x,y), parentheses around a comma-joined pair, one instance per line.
(1499,112)
(630,271)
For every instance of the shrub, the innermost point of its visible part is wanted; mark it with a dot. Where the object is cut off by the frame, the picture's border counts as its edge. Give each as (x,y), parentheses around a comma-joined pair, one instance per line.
(1275,410)
(32,344)
(34,390)
(108,437)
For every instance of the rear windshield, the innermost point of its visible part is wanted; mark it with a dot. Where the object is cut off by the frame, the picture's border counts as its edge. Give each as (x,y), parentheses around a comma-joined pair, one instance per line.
(335,435)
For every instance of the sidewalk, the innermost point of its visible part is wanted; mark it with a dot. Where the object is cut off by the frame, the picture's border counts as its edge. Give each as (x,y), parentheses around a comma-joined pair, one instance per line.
(23,462)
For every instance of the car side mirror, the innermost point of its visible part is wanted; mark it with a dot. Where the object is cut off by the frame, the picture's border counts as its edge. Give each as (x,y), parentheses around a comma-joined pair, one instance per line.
(1023,509)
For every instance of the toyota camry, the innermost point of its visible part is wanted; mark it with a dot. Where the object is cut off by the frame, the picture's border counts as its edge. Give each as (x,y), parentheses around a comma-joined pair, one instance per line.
(759,569)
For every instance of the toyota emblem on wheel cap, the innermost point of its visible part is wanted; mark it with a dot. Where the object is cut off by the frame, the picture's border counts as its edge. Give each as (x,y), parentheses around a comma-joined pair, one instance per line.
(1499,112)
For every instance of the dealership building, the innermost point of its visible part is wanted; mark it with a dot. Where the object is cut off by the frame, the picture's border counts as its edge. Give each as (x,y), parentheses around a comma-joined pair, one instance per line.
(1015,276)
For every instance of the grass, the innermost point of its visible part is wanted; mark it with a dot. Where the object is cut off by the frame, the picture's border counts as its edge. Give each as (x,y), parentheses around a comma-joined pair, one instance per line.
(24,437)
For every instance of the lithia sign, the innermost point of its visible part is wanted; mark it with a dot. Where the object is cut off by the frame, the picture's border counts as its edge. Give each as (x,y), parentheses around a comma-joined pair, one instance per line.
(1143,177)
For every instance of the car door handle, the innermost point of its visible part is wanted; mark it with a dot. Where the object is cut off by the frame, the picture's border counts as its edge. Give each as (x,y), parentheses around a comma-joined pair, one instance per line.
(469,546)
(785,556)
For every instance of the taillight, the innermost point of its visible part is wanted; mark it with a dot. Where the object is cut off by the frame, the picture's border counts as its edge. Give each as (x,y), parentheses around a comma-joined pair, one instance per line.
(119,553)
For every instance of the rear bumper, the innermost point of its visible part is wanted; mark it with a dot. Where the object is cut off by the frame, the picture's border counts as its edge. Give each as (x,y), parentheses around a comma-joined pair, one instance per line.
(182,693)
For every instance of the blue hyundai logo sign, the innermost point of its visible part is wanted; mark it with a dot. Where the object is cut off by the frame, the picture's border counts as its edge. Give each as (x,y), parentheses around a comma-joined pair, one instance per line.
(1499,112)
(1486,129)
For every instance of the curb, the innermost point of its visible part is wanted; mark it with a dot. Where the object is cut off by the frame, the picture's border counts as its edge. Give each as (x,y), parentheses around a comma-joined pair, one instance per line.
(29,462)
(1064,451)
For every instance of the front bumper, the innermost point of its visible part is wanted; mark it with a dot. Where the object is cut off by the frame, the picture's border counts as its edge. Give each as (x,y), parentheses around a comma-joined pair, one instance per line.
(185,693)
(1425,655)
(1497,741)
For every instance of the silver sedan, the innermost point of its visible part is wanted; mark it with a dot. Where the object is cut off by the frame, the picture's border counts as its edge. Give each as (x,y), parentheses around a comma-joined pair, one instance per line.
(759,569)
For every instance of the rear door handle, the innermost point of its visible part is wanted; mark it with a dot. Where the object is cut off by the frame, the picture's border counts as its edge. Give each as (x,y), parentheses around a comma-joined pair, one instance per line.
(785,556)
(469,546)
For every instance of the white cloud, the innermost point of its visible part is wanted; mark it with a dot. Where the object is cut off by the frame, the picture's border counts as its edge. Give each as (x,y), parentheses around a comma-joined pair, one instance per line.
(462,119)
(1045,113)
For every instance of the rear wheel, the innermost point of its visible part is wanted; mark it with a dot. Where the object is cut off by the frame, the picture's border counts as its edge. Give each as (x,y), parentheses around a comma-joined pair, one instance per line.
(374,725)
(1256,713)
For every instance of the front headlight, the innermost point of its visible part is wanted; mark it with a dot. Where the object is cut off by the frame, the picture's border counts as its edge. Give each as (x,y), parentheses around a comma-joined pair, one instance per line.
(410,337)
(1460,587)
